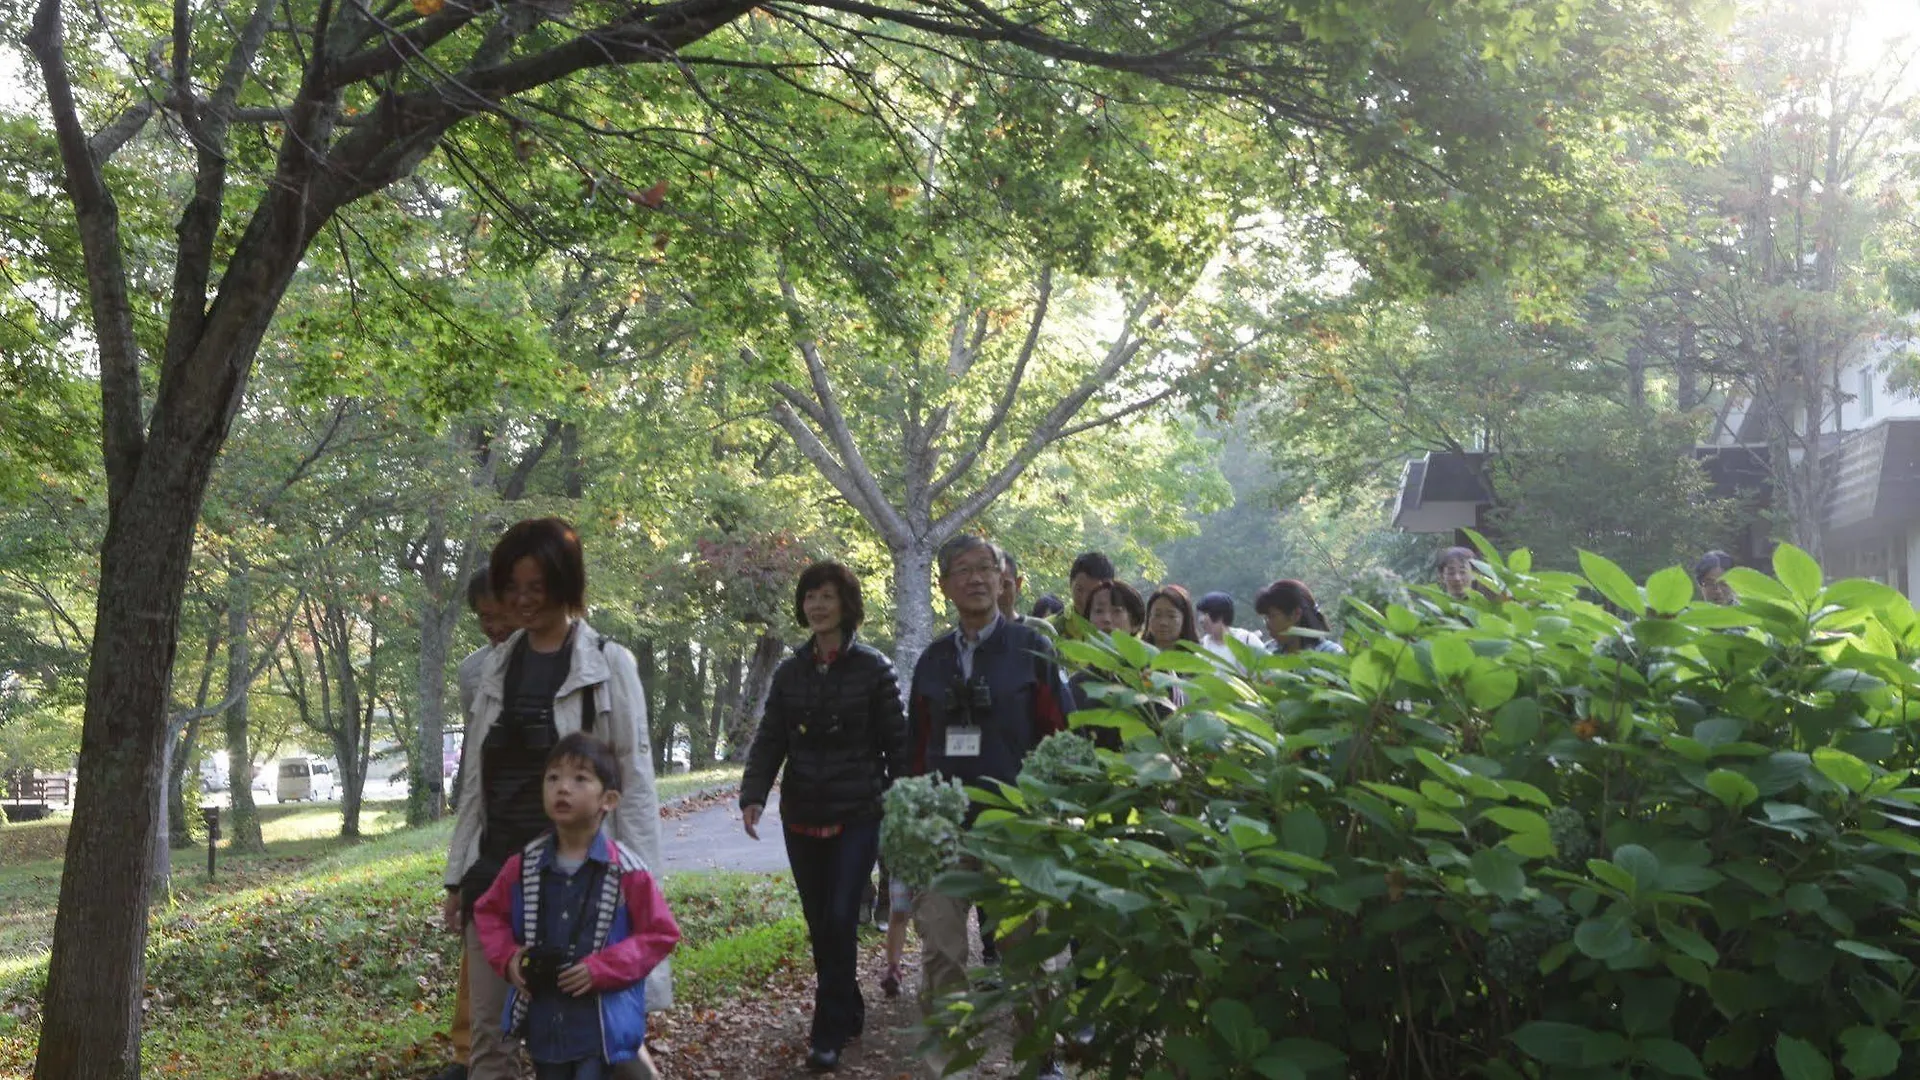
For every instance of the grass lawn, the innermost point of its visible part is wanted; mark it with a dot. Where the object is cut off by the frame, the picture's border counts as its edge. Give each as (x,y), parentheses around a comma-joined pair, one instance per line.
(671,786)
(325,959)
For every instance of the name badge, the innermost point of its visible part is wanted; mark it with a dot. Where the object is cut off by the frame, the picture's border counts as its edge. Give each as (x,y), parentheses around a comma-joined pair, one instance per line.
(963,742)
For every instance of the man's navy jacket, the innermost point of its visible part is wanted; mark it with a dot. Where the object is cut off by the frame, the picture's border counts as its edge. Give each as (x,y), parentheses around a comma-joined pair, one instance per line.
(1023,679)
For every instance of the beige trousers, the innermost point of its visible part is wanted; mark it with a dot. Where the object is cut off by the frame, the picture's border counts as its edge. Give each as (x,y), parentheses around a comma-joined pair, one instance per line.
(945,927)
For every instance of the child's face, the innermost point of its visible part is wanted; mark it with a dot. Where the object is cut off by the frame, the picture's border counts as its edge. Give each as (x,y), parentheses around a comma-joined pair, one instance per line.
(574,795)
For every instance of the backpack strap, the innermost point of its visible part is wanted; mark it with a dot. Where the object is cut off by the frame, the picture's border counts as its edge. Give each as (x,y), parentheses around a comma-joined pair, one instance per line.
(592,711)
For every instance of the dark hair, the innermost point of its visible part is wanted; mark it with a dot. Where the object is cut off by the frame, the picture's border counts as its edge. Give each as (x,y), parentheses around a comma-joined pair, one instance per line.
(961,544)
(1048,606)
(1217,606)
(1711,561)
(1009,564)
(1124,594)
(1289,595)
(852,611)
(552,543)
(1094,565)
(479,588)
(589,751)
(1454,554)
(1177,596)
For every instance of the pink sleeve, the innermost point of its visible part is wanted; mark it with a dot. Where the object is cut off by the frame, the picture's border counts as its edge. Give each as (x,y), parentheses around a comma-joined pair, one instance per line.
(493,918)
(652,934)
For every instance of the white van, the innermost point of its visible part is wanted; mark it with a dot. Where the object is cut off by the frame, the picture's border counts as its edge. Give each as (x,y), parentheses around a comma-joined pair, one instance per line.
(304,778)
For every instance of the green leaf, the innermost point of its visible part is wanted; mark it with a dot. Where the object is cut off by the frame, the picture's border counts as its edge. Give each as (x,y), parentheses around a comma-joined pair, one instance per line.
(1798,571)
(1612,583)
(1805,898)
(1532,845)
(1514,819)
(1492,689)
(1869,1052)
(1646,1005)
(1843,768)
(1452,656)
(1552,1042)
(1233,1021)
(1302,830)
(1641,863)
(1669,590)
(1605,937)
(1499,872)
(1671,1058)
(1869,952)
(1310,1055)
(1731,788)
(1517,722)
(1611,874)
(1689,942)
(1800,1060)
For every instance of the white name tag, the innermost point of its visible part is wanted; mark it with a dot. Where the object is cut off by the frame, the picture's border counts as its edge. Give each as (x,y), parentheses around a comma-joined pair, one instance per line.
(963,742)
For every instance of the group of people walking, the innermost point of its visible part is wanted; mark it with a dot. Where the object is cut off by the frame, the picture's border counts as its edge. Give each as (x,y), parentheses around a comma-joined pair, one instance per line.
(566,933)
(835,733)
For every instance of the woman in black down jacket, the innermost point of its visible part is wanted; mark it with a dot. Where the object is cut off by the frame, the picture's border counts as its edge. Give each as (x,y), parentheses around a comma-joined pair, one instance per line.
(834,720)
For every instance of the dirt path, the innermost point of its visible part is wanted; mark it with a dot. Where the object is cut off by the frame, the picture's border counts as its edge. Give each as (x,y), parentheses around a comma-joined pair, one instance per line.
(765,1037)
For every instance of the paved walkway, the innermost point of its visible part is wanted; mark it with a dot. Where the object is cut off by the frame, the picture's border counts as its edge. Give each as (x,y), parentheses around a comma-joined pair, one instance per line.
(712,839)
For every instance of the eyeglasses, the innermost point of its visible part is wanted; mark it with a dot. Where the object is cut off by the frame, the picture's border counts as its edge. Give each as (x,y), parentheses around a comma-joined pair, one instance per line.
(979,570)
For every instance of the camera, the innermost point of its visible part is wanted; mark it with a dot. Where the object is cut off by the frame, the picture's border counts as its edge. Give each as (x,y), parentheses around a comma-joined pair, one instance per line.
(540,968)
(523,727)
(970,701)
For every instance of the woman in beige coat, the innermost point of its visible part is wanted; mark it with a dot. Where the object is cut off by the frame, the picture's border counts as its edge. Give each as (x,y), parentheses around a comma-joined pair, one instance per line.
(554,676)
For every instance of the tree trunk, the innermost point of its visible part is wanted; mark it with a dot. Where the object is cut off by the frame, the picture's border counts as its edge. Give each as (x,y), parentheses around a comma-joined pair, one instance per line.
(699,741)
(726,703)
(680,696)
(440,607)
(179,825)
(243,826)
(95,978)
(649,689)
(751,699)
(346,728)
(912,606)
(1685,367)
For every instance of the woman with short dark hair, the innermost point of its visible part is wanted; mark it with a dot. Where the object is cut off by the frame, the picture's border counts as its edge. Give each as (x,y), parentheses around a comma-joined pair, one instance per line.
(554,676)
(1288,605)
(1113,606)
(834,720)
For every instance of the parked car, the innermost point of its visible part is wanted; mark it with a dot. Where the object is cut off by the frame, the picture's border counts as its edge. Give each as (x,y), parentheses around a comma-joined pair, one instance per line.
(304,779)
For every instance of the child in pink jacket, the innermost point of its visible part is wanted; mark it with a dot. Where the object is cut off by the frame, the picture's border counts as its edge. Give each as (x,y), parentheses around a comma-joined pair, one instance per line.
(575,922)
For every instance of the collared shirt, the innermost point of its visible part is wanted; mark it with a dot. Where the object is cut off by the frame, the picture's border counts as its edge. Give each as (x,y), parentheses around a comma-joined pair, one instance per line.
(561,1027)
(969,645)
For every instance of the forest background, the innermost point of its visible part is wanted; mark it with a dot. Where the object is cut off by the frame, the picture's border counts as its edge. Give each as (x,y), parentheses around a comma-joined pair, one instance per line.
(834,286)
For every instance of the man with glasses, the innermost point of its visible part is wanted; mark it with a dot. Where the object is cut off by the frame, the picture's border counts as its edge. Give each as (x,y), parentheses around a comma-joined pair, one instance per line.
(983,697)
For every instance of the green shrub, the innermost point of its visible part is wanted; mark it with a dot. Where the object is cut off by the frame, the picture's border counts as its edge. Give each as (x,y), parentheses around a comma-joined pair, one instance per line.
(1523,837)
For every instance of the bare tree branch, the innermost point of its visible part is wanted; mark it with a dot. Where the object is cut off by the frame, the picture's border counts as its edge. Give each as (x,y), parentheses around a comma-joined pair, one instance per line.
(1126,346)
(108,140)
(833,420)
(822,458)
(1004,406)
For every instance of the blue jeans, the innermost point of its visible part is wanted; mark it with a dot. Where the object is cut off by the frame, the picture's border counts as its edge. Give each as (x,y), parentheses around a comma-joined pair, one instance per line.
(830,875)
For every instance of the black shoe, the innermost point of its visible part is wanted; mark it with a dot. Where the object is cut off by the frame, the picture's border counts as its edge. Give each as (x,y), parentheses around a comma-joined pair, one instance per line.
(823,1060)
(452,1072)
(1050,1071)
